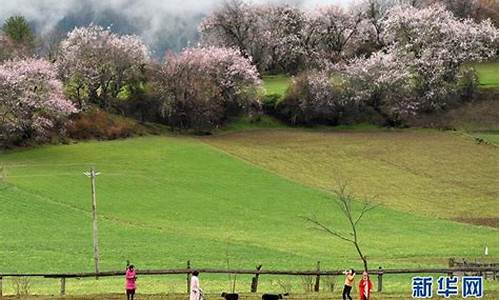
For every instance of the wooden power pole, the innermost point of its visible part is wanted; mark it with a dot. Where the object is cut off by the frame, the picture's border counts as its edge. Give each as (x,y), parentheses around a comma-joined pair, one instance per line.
(93,174)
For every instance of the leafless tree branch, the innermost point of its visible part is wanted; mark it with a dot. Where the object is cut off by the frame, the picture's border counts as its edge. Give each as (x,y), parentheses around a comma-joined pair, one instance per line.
(344,202)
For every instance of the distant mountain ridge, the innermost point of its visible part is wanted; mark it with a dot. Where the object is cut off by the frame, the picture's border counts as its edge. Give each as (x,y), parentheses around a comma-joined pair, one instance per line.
(173,31)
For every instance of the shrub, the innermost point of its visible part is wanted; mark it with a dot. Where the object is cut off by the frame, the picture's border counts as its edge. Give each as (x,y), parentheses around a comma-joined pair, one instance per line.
(312,99)
(269,103)
(467,85)
(22,286)
(97,124)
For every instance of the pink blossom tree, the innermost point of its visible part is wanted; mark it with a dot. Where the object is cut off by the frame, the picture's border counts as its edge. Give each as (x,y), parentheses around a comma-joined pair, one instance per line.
(32,103)
(96,64)
(201,87)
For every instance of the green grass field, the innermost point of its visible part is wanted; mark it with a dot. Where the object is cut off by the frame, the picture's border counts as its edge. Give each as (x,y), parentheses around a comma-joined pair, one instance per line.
(276,84)
(488,74)
(165,200)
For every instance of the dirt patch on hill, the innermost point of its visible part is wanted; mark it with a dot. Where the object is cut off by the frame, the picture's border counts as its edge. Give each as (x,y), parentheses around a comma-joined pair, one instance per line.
(491,222)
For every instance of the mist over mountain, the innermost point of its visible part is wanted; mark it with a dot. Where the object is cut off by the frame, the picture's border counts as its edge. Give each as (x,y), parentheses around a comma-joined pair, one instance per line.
(163,25)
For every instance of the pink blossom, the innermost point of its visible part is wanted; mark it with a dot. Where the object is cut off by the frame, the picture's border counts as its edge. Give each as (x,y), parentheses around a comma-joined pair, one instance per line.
(201,84)
(32,102)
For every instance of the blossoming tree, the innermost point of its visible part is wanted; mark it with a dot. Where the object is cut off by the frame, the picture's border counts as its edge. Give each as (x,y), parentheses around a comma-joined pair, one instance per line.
(201,87)
(434,44)
(97,64)
(32,103)
(422,62)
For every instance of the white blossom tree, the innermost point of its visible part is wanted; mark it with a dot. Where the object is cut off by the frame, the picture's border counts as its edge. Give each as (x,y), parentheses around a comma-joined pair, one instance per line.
(238,25)
(334,32)
(97,63)
(271,35)
(434,44)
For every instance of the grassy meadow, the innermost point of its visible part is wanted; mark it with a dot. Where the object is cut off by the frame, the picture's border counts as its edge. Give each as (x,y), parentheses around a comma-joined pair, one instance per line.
(165,200)
(276,84)
(487,74)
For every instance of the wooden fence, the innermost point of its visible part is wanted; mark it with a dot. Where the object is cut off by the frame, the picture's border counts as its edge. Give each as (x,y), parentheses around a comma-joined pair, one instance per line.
(380,272)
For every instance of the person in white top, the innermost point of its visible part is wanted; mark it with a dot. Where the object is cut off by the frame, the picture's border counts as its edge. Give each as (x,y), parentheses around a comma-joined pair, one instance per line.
(196,292)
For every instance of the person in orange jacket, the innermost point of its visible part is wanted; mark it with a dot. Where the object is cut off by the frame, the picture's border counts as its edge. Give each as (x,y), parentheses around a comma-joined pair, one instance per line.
(365,287)
(348,283)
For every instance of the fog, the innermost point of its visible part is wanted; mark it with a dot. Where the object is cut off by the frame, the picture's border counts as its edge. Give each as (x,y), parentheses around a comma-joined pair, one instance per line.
(163,24)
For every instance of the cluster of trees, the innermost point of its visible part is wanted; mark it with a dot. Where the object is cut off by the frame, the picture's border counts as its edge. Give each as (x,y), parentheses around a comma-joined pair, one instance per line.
(376,58)
(280,38)
(202,87)
(197,89)
(32,103)
(419,69)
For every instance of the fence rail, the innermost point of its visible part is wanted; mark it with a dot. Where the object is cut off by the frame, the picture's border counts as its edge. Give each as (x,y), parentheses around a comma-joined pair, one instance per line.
(493,269)
(251,272)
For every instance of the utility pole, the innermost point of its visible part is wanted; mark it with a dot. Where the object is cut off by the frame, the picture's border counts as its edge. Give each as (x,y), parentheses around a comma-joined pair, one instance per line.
(93,174)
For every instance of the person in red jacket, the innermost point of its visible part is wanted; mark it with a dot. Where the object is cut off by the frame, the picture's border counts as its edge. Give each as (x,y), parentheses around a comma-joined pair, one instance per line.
(365,287)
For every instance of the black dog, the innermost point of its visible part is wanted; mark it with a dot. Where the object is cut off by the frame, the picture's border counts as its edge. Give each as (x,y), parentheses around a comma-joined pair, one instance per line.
(229,296)
(273,297)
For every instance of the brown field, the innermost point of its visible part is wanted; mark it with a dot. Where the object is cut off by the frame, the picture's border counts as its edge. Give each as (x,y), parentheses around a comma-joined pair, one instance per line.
(441,174)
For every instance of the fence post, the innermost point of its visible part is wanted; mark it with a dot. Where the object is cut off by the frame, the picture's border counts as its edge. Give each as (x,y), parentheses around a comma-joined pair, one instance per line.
(188,277)
(316,285)
(451,264)
(380,273)
(1,292)
(63,286)
(255,280)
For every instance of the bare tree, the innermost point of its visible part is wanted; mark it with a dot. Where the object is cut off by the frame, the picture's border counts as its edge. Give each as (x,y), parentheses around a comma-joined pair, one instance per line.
(344,200)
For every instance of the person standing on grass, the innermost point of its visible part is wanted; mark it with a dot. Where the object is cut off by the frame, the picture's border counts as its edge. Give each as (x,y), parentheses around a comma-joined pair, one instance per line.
(196,292)
(130,278)
(365,287)
(348,284)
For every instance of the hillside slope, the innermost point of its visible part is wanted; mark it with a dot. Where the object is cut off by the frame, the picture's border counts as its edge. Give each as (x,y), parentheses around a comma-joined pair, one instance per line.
(426,172)
(162,201)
